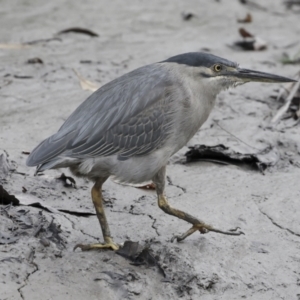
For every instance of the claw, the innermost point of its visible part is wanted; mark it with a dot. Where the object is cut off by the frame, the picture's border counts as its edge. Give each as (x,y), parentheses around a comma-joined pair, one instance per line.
(229,232)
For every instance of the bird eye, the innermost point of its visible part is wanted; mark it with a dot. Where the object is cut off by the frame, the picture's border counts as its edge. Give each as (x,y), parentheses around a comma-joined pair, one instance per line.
(217,68)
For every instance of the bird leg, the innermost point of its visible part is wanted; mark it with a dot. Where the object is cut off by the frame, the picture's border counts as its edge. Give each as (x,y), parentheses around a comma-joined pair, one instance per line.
(198,225)
(98,203)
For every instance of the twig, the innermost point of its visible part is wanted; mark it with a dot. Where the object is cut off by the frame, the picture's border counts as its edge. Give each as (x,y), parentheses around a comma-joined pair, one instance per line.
(287,104)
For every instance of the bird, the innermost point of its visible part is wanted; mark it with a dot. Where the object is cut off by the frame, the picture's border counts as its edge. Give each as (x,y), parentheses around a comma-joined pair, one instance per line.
(131,126)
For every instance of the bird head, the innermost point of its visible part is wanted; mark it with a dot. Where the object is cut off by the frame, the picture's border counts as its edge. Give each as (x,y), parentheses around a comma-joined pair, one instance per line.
(218,74)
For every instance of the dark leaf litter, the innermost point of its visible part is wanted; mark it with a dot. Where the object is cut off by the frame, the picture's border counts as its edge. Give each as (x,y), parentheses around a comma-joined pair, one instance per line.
(224,155)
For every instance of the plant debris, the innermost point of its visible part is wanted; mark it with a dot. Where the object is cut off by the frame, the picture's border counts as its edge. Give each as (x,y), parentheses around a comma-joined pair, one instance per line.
(26,199)
(139,255)
(255,5)
(13,46)
(223,155)
(6,198)
(42,41)
(35,60)
(53,234)
(86,84)
(247,19)
(79,30)
(245,34)
(249,42)
(289,4)
(67,180)
(186,16)
(23,76)
(85,61)
(21,222)
(291,97)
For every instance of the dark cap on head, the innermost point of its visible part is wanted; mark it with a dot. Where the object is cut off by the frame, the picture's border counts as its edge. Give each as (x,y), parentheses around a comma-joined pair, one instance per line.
(199,59)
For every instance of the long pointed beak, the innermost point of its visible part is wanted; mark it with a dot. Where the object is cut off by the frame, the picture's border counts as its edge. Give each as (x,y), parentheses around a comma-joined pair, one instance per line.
(256,76)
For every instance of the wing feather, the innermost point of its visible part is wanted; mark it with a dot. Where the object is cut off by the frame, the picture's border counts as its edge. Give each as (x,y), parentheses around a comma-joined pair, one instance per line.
(128,116)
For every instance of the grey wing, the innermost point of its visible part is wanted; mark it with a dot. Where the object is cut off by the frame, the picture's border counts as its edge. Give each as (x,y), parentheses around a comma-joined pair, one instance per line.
(129,116)
(138,135)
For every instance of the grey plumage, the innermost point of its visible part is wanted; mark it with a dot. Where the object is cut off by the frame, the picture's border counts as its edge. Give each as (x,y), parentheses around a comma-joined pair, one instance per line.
(124,122)
(131,126)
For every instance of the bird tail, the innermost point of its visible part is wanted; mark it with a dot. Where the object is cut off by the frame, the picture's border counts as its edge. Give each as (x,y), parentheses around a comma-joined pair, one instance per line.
(48,154)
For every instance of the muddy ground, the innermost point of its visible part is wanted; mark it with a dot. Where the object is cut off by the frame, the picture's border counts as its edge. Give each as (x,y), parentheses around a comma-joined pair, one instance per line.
(36,252)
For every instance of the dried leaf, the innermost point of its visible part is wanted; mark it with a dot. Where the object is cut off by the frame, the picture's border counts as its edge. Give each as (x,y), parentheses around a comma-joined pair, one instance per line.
(55,237)
(79,30)
(11,259)
(129,250)
(244,33)
(140,255)
(86,84)
(247,19)
(291,3)
(43,41)
(23,76)
(255,5)
(221,154)
(250,42)
(6,198)
(254,45)
(35,60)
(30,200)
(186,16)
(13,46)
(85,61)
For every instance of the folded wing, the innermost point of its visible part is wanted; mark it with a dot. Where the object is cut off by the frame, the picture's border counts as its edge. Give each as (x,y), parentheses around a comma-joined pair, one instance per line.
(129,116)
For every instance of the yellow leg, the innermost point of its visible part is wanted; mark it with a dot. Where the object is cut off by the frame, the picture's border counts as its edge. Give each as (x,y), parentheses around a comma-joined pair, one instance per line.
(98,203)
(198,225)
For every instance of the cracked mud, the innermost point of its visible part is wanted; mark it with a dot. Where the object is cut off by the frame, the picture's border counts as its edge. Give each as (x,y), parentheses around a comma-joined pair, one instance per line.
(36,245)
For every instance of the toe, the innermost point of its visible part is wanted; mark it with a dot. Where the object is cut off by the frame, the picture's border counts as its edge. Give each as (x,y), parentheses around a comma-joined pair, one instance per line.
(111,246)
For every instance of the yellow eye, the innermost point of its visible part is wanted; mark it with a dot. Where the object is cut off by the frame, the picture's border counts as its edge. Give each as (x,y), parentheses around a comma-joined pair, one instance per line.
(217,68)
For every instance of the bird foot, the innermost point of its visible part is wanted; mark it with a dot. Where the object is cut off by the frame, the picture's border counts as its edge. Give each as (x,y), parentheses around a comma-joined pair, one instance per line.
(108,245)
(204,228)
(233,231)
